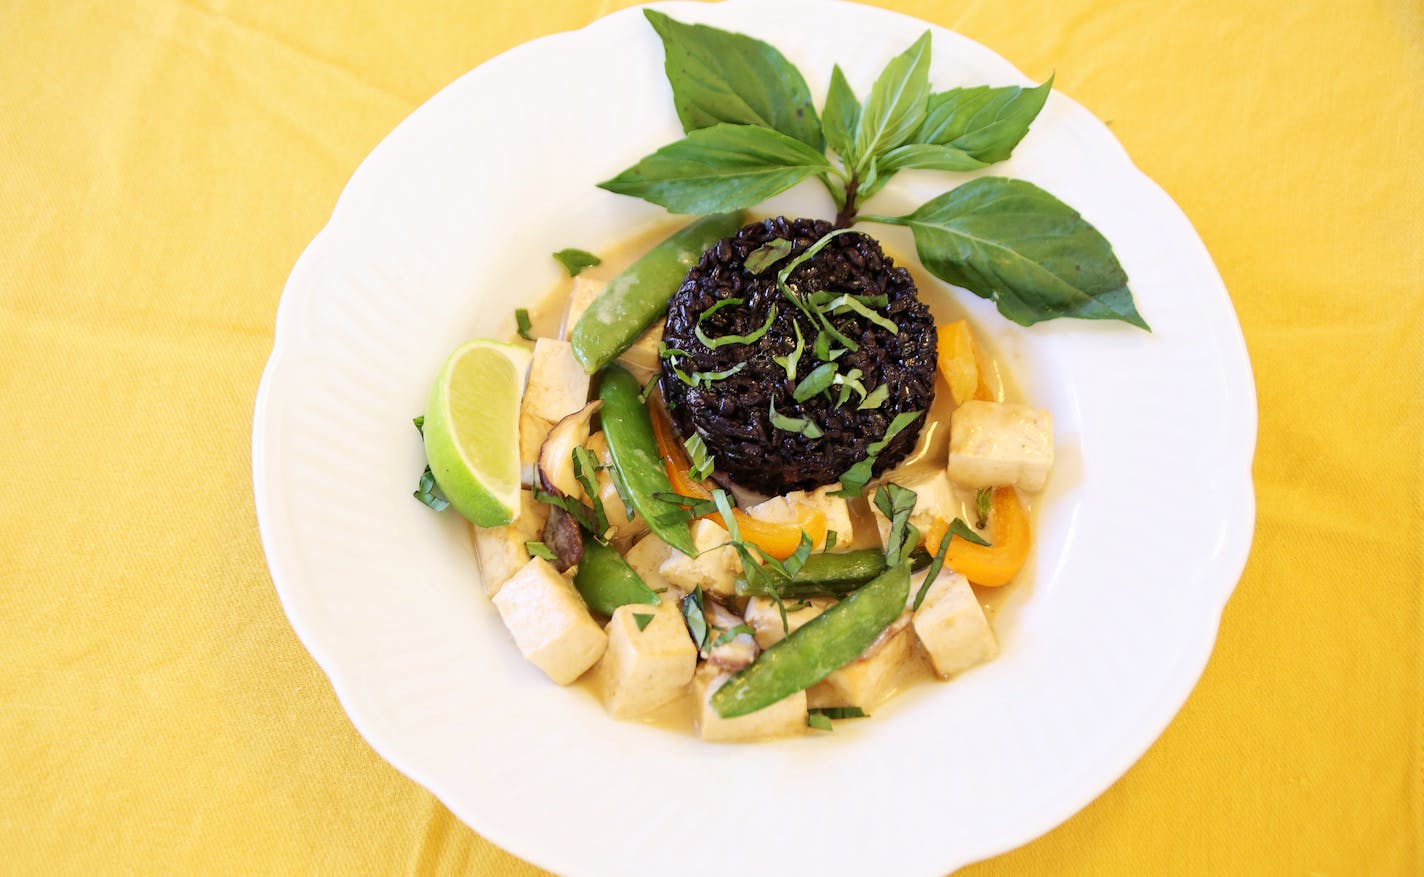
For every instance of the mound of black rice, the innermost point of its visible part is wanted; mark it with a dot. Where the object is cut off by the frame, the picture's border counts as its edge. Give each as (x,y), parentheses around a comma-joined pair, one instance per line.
(727,391)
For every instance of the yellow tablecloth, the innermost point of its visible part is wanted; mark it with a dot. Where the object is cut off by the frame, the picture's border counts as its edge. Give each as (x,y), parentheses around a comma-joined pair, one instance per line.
(163,163)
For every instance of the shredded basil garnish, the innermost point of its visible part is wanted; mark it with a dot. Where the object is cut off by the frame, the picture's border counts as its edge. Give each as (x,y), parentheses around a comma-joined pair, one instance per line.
(818,721)
(896,503)
(819,379)
(574,260)
(643,620)
(768,254)
(731,633)
(855,478)
(702,462)
(799,425)
(724,303)
(540,550)
(958,528)
(842,712)
(788,362)
(876,398)
(750,337)
(981,506)
(521,321)
(692,613)
(428,493)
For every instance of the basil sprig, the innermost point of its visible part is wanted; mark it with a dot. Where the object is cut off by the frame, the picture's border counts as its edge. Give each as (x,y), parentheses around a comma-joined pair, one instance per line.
(753,132)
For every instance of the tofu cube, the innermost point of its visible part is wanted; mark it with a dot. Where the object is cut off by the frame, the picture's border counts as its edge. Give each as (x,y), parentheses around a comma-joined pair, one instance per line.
(645,557)
(866,681)
(500,550)
(785,718)
(642,358)
(581,295)
(646,667)
(532,432)
(558,385)
(1000,443)
(785,509)
(613,507)
(714,569)
(549,622)
(951,626)
(935,499)
(763,617)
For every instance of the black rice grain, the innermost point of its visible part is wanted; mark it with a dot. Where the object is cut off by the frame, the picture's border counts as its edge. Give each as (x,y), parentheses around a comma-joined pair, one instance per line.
(733,414)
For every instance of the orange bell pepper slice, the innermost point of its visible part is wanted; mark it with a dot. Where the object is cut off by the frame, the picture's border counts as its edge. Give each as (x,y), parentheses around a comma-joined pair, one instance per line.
(996,564)
(778,539)
(963,365)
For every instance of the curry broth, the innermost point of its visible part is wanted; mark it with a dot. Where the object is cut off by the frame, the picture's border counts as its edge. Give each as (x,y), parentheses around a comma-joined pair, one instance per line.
(547,316)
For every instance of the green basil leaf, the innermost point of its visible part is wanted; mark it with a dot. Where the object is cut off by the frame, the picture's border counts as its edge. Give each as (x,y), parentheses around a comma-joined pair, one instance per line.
(1015,244)
(428,492)
(799,425)
(929,156)
(724,303)
(724,167)
(965,532)
(896,503)
(841,118)
(643,620)
(935,566)
(574,261)
(841,712)
(731,633)
(876,398)
(536,548)
(522,324)
(585,472)
(842,303)
(986,123)
(855,478)
(819,379)
(819,721)
(419,424)
(750,337)
(766,255)
(718,76)
(981,506)
(895,107)
(789,361)
(692,613)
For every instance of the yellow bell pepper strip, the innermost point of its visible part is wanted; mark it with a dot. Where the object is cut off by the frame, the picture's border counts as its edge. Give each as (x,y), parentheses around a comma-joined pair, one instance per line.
(997,563)
(776,538)
(963,365)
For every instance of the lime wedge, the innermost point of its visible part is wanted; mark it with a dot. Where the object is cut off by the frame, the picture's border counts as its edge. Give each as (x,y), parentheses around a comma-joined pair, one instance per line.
(472,430)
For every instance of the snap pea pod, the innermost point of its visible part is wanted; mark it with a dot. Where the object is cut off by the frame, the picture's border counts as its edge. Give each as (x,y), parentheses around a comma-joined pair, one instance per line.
(826,575)
(629,431)
(606,581)
(634,300)
(819,648)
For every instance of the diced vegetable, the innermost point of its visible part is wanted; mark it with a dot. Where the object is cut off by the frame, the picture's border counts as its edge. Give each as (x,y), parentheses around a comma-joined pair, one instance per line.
(635,299)
(549,622)
(629,432)
(650,659)
(825,644)
(996,564)
(606,581)
(783,718)
(957,361)
(998,443)
(777,538)
(951,626)
(825,575)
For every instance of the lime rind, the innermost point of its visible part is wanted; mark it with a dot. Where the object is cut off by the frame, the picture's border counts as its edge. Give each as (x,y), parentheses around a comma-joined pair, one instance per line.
(472,430)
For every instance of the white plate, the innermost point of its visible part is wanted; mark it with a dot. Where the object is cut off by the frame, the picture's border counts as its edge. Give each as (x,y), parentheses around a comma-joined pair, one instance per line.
(447,226)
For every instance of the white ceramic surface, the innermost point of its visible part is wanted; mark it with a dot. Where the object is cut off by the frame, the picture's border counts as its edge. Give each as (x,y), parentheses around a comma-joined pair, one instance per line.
(447,227)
